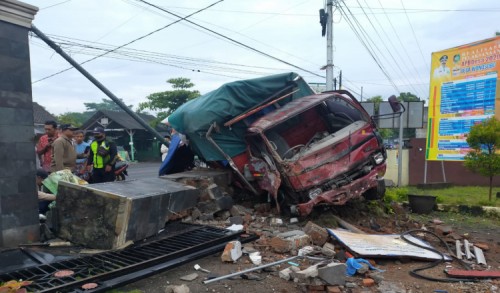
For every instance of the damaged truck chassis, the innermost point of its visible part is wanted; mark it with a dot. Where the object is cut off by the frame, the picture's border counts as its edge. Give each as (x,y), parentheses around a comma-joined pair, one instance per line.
(318,149)
(302,149)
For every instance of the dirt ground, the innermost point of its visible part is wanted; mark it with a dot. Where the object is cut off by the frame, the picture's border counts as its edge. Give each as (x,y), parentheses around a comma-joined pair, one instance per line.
(369,217)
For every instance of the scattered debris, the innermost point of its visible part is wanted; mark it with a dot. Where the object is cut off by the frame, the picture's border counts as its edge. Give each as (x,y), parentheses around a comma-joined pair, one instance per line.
(318,235)
(177,289)
(383,245)
(255,257)
(333,273)
(232,252)
(249,270)
(198,268)
(63,273)
(328,250)
(480,259)
(291,240)
(89,286)
(473,274)
(190,277)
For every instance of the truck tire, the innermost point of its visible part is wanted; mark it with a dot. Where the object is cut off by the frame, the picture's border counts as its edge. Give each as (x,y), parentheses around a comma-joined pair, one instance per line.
(376,193)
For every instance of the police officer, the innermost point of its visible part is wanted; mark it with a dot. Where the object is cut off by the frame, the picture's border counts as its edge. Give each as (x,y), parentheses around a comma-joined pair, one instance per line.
(103,156)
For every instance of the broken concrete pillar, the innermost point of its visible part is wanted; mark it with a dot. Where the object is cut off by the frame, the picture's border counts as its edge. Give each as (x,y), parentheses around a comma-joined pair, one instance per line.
(106,215)
(19,221)
(318,234)
(333,273)
(291,240)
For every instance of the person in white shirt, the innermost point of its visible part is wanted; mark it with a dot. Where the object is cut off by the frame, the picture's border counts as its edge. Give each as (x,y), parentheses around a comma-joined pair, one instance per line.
(164,147)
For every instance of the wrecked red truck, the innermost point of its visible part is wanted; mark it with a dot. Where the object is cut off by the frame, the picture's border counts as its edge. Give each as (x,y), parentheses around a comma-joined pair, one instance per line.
(281,139)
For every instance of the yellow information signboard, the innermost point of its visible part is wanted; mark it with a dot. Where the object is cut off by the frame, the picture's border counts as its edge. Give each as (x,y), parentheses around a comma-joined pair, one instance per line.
(463,91)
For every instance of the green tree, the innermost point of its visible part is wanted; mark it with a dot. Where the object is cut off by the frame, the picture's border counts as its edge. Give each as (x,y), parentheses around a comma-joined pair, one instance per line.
(168,101)
(104,105)
(74,118)
(483,158)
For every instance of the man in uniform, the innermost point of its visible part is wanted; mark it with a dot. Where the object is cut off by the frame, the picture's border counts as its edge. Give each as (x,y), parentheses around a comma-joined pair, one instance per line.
(442,71)
(103,156)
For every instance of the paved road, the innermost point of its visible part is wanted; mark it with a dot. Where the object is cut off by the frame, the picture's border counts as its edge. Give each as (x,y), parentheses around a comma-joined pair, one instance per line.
(143,170)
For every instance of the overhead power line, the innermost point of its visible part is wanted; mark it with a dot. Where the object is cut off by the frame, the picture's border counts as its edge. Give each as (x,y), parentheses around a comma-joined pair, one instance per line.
(389,51)
(233,40)
(415,36)
(357,32)
(133,41)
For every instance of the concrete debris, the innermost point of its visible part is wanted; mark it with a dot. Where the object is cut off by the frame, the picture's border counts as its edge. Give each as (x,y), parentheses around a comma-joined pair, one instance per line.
(483,246)
(255,257)
(328,249)
(276,222)
(294,220)
(177,289)
(190,277)
(236,220)
(368,282)
(235,228)
(304,275)
(291,240)
(306,250)
(318,235)
(248,248)
(232,252)
(333,273)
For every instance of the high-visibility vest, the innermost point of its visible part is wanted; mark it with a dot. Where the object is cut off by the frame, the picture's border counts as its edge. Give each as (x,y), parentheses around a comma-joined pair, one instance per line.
(99,162)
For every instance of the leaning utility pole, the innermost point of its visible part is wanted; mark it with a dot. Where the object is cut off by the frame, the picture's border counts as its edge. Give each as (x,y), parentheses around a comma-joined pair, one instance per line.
(329,45)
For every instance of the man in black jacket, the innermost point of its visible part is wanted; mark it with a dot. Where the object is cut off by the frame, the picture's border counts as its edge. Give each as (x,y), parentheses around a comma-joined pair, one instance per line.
(103,156)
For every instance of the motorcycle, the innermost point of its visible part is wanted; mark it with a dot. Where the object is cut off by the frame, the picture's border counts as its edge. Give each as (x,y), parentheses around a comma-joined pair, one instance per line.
(121,170)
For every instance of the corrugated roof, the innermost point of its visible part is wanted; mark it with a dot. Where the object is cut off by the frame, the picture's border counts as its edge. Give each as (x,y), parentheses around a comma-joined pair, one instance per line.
(119,117)
(40,115)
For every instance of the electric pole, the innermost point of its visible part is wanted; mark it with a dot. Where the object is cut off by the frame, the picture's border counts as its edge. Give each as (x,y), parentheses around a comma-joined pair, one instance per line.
(329,45)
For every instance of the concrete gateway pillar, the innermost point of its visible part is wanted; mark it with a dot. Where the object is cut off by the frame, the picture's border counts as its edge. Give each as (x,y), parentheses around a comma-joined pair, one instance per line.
(18,195)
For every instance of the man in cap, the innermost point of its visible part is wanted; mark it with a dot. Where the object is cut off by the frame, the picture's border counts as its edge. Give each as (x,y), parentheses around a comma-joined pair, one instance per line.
(103,156)
(63,151)
(442,70)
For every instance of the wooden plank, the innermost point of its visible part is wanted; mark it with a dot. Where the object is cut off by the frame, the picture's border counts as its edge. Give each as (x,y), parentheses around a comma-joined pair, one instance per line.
(473,274)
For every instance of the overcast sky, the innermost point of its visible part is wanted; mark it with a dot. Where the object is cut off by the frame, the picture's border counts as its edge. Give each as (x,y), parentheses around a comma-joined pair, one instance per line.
(402,35)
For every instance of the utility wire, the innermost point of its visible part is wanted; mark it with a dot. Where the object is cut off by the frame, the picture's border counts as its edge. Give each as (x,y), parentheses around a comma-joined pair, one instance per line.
(94,48)
(389,51)
(235,41)
(415,36)
(367,46)
(133,41)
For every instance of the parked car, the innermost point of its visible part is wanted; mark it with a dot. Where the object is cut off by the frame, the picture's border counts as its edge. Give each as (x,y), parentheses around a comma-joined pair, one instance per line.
(280,138)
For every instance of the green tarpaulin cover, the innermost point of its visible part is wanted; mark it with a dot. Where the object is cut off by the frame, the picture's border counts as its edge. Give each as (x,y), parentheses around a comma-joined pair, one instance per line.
(221,105)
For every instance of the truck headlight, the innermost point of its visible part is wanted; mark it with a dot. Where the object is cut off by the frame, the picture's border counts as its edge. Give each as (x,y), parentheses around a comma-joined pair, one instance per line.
(314,192)
(379,158)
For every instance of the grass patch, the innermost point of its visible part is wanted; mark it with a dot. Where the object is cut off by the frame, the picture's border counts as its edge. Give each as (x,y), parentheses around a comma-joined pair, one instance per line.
(463,220)
(459,195)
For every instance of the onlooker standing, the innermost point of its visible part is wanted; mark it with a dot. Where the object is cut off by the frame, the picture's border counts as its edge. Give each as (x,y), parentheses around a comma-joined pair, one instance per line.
(44,198)
(63,151)
(82,149)
(164,147)
(103,155)
(44,146)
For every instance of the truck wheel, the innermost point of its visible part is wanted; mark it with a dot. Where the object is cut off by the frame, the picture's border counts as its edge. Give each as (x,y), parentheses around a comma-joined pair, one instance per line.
(376,192)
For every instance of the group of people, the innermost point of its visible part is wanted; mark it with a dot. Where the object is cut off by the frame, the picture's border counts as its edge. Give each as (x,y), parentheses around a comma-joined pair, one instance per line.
(64,147)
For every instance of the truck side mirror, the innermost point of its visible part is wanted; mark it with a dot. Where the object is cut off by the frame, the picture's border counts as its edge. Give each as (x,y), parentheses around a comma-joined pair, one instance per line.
(395,105)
